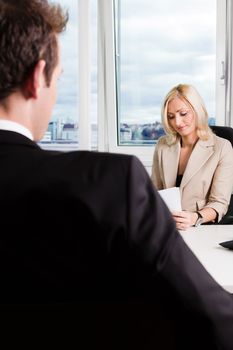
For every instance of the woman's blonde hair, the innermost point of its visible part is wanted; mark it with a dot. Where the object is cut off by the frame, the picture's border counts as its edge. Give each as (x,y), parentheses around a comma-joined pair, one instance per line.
(191,97)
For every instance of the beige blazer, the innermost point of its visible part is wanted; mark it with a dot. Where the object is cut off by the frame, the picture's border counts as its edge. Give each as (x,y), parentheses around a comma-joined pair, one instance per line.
(208,177)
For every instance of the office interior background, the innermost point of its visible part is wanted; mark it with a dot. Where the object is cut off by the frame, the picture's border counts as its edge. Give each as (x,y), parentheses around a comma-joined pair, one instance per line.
(121,57)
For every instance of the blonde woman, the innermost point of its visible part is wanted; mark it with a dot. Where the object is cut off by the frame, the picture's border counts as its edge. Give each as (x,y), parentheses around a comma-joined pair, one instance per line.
(191,157)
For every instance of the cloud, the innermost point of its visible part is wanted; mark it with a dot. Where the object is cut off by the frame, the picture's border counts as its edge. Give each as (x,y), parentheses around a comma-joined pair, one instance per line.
(161,48)
(163,43)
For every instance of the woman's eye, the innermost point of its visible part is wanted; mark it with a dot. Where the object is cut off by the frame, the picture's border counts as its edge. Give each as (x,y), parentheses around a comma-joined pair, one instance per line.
(183,114)
(170,117)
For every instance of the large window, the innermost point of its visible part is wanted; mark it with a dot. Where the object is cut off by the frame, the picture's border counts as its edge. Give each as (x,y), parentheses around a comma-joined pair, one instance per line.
(160,44)
(121,57)
(64,130)
(63,127)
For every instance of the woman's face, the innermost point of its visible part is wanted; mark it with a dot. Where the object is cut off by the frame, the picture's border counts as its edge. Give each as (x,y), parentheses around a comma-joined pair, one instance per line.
(181,118)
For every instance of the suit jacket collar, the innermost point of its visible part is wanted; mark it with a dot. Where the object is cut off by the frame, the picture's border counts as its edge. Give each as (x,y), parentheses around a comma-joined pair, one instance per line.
(14,138)
(199,156)
(202,151)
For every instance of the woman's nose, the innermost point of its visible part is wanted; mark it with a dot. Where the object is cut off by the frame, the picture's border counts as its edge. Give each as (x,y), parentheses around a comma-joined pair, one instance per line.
(178,120)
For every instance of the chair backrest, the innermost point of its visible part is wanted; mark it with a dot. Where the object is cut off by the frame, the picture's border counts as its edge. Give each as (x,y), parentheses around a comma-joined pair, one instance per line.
(223,131)
(227,133)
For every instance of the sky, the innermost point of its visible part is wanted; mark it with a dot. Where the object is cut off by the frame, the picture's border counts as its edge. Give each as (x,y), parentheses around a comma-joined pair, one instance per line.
(162,43)
(67,101)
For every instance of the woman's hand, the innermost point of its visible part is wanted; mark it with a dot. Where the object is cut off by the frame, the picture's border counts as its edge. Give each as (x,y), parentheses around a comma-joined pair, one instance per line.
(184,219)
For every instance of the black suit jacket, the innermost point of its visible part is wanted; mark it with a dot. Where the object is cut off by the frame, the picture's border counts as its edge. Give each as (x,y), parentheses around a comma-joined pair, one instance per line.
(86,234)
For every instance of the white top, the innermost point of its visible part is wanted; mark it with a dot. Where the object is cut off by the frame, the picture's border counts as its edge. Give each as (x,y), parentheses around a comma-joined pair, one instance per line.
(218,261)
(13,126)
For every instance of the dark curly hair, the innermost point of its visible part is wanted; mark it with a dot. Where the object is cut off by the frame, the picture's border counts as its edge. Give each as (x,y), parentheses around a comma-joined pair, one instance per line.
(28,30)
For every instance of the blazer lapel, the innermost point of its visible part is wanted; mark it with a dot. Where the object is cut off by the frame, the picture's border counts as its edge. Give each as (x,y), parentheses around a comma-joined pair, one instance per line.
(199,156)
(170,159)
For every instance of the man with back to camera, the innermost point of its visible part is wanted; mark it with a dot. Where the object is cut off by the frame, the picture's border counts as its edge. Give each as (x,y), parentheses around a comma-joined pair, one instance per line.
(71,235)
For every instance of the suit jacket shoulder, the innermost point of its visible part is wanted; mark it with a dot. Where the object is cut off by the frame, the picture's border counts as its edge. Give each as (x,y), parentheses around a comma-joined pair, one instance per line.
(162,141)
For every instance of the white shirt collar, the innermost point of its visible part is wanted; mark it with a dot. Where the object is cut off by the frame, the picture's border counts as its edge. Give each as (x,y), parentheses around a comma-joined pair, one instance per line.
(13,126)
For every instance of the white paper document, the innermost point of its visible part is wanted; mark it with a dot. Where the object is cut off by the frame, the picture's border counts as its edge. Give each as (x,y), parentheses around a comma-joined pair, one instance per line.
(171,197)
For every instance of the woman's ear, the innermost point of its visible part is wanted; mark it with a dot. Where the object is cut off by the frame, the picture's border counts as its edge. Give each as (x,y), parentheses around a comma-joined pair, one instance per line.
(36,80)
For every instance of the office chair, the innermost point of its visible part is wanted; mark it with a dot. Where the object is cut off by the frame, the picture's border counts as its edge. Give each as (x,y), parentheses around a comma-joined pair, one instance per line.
(223,131)
(227,133)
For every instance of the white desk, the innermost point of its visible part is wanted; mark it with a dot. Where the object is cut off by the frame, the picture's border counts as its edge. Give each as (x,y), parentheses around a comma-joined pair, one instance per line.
(218,261)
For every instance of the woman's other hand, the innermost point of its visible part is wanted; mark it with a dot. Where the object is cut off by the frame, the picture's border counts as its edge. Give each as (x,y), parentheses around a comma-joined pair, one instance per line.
(184,219)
